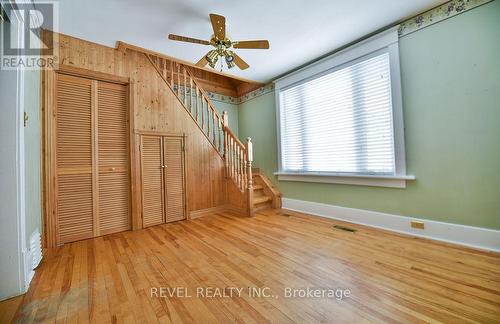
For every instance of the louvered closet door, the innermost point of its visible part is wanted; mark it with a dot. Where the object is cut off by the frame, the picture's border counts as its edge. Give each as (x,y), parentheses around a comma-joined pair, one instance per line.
(73,136)
(174,178)
(113,158)
(152,181)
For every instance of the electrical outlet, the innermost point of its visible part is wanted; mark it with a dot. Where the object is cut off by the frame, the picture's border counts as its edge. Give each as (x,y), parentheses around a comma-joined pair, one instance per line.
(418,225)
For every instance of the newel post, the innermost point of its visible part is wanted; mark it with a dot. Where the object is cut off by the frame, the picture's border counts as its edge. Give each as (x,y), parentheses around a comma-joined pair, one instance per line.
(225,124)
(248,164)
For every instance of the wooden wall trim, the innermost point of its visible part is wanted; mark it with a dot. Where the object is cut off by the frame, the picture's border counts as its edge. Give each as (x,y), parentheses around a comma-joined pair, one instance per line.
(211,80)
(123,47)
(95,159)
(135,174)
(159,133)
(90,74)
(49,221)
(207,211)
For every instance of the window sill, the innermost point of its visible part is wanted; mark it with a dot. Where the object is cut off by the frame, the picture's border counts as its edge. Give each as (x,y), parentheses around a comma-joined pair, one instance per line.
(361,180)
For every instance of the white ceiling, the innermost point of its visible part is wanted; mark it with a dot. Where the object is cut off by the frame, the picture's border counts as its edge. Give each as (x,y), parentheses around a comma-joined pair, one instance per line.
(299,31)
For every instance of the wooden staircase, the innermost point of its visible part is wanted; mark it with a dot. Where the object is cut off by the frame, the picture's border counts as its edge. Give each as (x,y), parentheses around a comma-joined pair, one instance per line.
(237,155)
(265,194)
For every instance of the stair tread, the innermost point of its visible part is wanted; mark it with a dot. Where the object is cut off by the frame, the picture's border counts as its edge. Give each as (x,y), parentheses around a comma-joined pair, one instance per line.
(258,187)
(260,200)
(263,207)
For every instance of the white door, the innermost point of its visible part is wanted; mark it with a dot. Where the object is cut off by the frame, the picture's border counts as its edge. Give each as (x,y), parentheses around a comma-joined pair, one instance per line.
(12,227)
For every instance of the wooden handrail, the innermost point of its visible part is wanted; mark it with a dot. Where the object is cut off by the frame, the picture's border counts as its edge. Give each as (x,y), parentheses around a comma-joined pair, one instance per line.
(177,94)
(230,132)
(237,156)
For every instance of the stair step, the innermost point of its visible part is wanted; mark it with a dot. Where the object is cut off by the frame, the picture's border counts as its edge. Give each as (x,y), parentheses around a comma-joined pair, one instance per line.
(260,200)
(258,194)
(257,187)
(263,207)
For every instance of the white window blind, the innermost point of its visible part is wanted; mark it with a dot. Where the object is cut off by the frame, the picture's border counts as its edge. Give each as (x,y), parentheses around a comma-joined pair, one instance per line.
(340,122)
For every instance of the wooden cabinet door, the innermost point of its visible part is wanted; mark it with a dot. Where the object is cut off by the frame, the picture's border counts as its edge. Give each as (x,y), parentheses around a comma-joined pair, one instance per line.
(113,158)
(173,171)
(73,158)
(153,207)
(92,187)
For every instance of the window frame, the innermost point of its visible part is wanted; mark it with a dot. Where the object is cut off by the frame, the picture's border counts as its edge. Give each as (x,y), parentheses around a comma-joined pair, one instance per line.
(385,42)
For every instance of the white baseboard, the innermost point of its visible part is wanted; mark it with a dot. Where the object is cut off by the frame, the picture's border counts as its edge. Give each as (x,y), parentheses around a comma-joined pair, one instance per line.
(476,237)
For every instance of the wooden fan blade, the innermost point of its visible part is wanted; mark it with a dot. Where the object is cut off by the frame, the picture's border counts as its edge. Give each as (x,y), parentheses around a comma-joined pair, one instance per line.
(188,39)
(219,26)
(202,62)
(239,62)
(259,44)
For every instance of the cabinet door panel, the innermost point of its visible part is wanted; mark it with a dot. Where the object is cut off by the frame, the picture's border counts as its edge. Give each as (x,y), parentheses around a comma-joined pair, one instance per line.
(152,181)
(113,158)
(174,178)
(73,144)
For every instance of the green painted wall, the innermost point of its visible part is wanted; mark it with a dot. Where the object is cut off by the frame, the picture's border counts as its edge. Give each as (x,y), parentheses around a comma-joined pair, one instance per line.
(451,96)
(232,111)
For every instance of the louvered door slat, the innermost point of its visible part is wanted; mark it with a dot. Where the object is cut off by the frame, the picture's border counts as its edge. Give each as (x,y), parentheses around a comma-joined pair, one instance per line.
(113,157)
(73,136)
(152,181)
(174,178)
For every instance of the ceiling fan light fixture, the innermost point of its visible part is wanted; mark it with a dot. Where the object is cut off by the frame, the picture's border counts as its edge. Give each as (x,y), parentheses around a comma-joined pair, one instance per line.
(222,44)
(212,57)
(229,59)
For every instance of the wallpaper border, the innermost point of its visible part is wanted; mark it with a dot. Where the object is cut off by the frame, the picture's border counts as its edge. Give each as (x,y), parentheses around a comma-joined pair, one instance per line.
(236,101)
(437,14)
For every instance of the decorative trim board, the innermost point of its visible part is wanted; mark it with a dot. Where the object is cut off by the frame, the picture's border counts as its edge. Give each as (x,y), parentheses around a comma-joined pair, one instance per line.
(475,237)
(214,210)
(235,210)
(205,212)
(437,14)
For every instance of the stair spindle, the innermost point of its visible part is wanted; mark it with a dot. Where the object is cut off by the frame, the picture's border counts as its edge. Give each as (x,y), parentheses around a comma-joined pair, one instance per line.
(178,71)
(214,125)
(191,95)
(164,68)
(208,120)
(172,75)
(219,123)
(197,90)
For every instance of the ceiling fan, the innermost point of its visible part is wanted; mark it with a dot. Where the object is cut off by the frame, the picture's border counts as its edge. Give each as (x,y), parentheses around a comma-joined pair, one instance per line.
(223,45)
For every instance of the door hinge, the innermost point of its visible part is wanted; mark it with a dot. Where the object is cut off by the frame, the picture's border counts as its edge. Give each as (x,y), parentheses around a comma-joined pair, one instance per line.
(25,119)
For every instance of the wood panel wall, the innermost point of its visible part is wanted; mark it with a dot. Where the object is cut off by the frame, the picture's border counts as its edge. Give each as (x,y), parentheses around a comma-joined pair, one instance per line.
(156,110)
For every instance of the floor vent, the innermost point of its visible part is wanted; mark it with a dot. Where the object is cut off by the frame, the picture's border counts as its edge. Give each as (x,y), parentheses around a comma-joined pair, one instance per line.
(343,228)
(35,249)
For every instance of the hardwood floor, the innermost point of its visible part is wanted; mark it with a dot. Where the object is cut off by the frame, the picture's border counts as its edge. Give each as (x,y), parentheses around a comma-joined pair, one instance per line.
(390,277)
(8,308)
